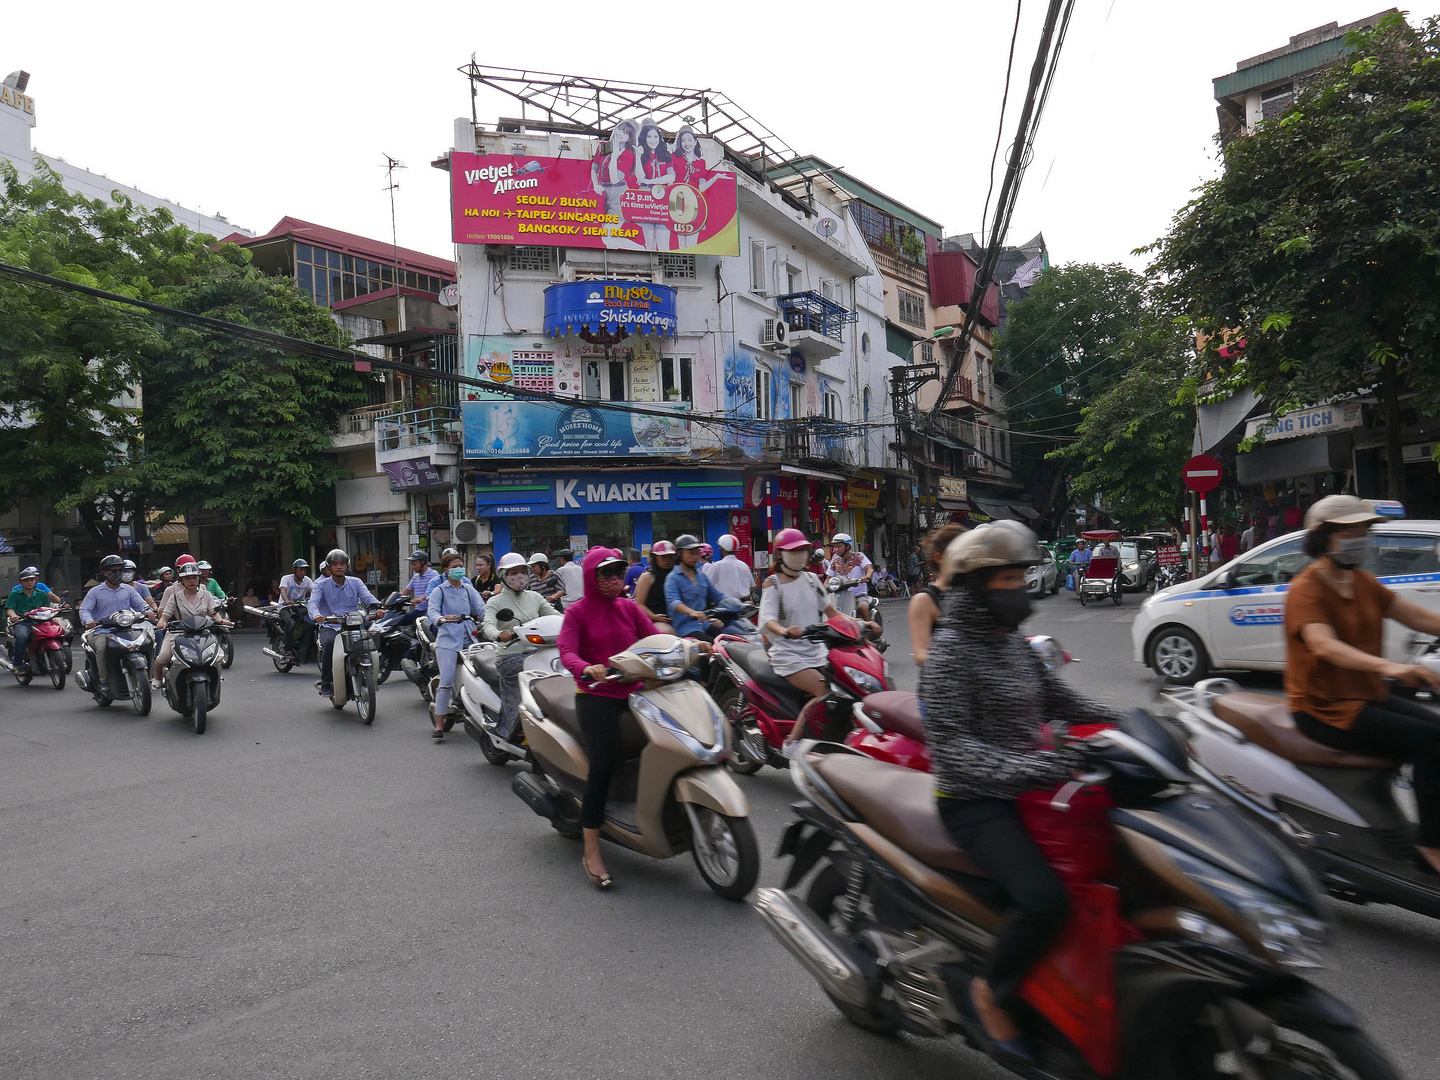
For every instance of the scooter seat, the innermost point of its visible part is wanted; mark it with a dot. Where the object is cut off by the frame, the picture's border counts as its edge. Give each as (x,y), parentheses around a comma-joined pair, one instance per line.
(1266,721)
(899,804)
(897,711)
(556,696)
(756,664)
(486,661)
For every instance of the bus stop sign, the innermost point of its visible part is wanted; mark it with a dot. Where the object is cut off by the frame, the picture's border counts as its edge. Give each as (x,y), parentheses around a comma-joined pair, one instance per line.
(1202,473)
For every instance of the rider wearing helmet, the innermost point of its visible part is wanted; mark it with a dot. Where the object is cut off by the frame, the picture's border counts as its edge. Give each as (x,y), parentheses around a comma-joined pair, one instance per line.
(846,562)
(545,581)
(295,589)
(109,597)
(986,697)
(185,600)
(523,603)
(164,578)
(688,592)
(650,587)
(27,596)
(423,578)
(454,606)
(731,576)
(334,596)
(707,555)
(208,583)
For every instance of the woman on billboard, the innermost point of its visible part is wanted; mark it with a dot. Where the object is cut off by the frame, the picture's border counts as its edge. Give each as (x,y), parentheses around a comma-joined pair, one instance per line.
(613,171)
(656,169)
(692,170)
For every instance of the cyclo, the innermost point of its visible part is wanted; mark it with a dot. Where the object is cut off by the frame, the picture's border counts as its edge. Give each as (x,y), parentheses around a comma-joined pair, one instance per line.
(1102,575)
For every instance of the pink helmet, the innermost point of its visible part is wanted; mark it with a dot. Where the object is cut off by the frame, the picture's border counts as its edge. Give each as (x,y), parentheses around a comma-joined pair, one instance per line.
(707,551)
(662,547)
(790,539)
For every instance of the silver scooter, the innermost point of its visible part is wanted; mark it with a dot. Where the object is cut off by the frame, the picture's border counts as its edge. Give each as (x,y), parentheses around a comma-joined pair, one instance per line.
(1351,817)
(478,685)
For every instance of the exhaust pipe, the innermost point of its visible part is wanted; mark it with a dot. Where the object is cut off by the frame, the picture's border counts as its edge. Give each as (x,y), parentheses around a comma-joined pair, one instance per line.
(810,941)
(536,795)
(268,651)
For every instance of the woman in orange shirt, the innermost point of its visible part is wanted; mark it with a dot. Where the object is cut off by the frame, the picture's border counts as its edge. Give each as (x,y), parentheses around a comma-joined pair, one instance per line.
(1334,670)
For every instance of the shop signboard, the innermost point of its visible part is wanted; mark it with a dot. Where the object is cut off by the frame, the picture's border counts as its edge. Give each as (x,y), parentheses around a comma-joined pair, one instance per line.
(863,494)
(1324,420)
(740,529)
(781,491)
(553,367)
(1169,555)
(641,192)
(607,307)
(413,474)
(627,491)
(542,429)
(952,487)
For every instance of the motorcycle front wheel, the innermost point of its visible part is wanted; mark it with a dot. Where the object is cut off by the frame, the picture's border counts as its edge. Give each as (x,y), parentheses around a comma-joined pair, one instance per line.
(57,670)
(725,853)
(365,694)
(139,691)
(227,651)
(201,711)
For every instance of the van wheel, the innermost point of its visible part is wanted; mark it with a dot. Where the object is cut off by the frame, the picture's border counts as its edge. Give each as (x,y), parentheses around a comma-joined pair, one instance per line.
(1177,655)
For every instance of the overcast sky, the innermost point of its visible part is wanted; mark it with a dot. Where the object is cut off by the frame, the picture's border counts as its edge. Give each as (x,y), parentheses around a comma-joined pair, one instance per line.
(268,109)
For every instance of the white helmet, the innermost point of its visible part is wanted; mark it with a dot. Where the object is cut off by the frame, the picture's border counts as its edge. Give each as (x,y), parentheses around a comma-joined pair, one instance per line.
(842,538)
(539,557)
(727,543)
(512,561)
(991,546)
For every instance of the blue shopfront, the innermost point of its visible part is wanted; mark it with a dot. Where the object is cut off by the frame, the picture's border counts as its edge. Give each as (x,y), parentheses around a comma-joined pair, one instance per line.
(627,507)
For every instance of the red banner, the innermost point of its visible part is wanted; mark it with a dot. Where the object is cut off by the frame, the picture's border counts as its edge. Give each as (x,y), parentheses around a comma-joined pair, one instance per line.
(740,529)
(1168,556)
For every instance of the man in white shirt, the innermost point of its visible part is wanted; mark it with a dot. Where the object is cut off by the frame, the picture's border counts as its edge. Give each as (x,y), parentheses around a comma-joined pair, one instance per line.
(846,562)
(571,574)
(731,576)
(295,588)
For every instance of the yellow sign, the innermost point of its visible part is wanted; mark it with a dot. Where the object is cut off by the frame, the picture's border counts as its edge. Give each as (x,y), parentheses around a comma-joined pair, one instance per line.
(952,487)
(863,495)
(16,100)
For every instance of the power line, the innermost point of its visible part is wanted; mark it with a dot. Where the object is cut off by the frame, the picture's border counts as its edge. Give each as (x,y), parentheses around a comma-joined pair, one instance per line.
(1000,125)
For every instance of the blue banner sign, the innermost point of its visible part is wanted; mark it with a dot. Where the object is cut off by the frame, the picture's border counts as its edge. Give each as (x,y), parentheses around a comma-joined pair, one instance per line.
(636,307)
(534,429)
(630,490)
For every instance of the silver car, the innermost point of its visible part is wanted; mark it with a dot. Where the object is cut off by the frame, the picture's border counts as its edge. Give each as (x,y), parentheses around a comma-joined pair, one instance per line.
(1043,579)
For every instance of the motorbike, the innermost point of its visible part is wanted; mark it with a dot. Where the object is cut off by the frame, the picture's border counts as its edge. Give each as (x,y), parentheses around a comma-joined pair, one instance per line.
(671,792)
(478,685)
(761,707)
(423,667)
(129,655)
(352,666)
(192,679)
(1166,576)
(48,652)
(867,609)
(281,655)
(394,641)
(738,618)
(1181,958)
(1350,817)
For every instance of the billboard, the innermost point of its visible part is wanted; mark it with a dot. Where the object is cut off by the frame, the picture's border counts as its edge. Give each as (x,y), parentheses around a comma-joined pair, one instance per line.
(639,192)
(533,429)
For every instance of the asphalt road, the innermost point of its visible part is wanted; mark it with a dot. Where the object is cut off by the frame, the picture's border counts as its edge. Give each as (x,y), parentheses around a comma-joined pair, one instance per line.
(293,894)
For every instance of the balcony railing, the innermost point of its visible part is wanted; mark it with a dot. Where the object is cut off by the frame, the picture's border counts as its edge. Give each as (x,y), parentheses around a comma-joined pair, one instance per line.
(360,421)
(435,426)
(816,313)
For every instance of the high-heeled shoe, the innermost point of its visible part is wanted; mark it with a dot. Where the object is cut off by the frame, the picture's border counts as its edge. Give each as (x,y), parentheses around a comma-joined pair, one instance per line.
(600,881)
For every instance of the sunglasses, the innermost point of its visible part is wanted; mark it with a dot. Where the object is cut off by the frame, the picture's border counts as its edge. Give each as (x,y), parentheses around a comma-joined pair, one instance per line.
(610,572)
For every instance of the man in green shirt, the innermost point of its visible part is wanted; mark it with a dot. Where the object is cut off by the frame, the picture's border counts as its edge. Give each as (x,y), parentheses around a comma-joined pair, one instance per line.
(27,596)
(211,585)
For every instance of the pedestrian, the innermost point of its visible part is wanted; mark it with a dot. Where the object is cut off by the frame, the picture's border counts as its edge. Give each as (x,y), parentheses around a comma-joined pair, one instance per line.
(522,604)
(912,568)
(486,582)
(632,575)
(924,609)
(570,573)
(452,606)
(1247,538)
(1229,545)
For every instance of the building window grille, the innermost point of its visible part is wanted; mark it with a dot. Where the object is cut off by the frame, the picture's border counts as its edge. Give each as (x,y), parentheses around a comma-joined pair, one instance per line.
(329,277)
(533,258)
(912,307)
(677,267)
(927,352)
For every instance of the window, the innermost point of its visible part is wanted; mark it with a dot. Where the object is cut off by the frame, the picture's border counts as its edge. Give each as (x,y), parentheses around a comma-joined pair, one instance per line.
(763,390)
(375,557)
(757,267)
(1273,566)
(1393,555)
(604,380)
(793,279)
(927,352)
(866,397)
(668,524)
(329,277)
(888,231)
(797,400)
(677,267)
(827,288)
(865,344)
(912,307)
(675,380)
(533,258)
(539,532)
(832,406)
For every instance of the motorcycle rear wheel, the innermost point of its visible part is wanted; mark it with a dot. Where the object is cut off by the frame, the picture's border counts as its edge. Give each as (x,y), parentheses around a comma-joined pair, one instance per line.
(384,670)
(825,892)
(493,754)
(1296,1048)
(23,677)
(284,665)
(738,761)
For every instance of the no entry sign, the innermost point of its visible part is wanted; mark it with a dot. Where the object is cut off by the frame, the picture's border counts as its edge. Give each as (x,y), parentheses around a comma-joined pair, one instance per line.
(1202,473)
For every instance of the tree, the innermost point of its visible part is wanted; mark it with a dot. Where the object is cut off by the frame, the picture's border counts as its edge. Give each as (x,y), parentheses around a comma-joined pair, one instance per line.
(1062,348)
(1319,244)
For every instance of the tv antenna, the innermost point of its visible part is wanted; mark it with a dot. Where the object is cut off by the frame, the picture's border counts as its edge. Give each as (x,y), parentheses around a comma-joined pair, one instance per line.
(391,164)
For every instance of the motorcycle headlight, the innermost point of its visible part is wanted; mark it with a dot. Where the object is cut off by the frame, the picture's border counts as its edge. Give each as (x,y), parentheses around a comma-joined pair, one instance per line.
(669,664)
(864,680)
(711,754)
(211,653)
(188,651)
(1291,936)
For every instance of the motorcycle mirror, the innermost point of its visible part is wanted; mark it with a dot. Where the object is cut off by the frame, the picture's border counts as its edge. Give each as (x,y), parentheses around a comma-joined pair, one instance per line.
(505,613)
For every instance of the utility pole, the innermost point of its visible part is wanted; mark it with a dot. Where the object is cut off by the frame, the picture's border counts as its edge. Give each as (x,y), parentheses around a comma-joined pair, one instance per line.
(391,164)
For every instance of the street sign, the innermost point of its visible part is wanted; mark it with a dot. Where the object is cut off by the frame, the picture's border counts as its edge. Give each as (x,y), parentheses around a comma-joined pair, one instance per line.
(1202,473)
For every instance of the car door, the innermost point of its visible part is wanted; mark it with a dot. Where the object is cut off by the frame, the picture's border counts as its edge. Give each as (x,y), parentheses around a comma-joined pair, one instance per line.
(1409,563)
(1247,620)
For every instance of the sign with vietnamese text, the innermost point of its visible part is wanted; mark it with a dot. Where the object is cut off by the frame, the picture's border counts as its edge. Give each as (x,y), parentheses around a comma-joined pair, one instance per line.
(534,429)
(1169,555)
(1320,421)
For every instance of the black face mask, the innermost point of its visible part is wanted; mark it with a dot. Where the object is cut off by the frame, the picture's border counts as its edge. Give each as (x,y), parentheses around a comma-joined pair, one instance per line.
(1010,607)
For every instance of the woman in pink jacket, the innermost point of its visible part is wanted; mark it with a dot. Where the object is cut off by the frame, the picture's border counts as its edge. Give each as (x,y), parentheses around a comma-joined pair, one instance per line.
(597,627)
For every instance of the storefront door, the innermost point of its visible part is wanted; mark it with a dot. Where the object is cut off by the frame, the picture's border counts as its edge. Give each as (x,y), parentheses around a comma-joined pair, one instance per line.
(539,532)
(375,558)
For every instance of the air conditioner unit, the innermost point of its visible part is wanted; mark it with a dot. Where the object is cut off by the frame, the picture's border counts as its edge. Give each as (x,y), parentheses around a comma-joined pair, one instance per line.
(468,531)
(974,461)
(776,334)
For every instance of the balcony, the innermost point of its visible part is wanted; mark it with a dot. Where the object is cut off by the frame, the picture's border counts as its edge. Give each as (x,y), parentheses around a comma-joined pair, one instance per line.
(816,323)
(818,441)
(357,427)
(432,433)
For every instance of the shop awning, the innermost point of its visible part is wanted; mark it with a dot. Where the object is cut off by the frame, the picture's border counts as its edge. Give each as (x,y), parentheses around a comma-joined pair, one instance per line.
(998,511)
(610,310)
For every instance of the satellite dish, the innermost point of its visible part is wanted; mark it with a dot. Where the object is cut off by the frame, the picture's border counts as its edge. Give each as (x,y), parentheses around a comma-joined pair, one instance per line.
(826,226)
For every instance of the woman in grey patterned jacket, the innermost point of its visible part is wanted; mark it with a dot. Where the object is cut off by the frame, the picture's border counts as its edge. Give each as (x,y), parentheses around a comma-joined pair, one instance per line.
(986,696)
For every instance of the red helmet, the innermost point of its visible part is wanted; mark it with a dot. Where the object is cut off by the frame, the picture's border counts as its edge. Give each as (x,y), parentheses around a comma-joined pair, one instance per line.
(662,547)
(183,559)
(789,540)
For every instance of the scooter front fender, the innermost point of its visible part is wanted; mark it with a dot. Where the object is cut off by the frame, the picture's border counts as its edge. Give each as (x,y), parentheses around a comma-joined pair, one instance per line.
(712,787)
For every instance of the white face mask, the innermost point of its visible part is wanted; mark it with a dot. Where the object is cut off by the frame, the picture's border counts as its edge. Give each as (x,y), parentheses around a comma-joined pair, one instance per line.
(517,581)
(796,560)
(127,577)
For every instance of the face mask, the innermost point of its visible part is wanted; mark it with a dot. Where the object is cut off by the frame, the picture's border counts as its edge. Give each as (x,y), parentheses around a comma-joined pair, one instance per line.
(517,581)
(1010,607)
(795,561)
(611,587)
(456,573)
(1351,551)
(127,577)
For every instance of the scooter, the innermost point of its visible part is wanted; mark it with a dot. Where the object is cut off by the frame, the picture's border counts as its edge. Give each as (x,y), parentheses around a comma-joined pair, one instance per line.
(423,668)
(478,684)
(352,666)
(48,652)
(395,640)
(761,707)
(1350,817)
(192,679)
(281,655)
(129,654)
(867,608)
(671,792)
(1182,956)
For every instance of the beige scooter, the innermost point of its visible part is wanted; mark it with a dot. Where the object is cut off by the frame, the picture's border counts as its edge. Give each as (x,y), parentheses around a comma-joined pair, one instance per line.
(671,792)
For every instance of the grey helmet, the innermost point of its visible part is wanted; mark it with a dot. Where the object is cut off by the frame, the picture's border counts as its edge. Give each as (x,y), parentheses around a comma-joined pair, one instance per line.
(685,541)
(337,556)
(994,546)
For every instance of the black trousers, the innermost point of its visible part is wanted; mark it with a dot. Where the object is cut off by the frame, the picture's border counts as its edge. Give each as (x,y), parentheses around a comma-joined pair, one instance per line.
(600,724)
(990,832)
(1394,728)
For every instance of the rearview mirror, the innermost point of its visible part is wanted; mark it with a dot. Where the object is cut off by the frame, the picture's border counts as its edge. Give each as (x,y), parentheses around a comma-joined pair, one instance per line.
(1225,581)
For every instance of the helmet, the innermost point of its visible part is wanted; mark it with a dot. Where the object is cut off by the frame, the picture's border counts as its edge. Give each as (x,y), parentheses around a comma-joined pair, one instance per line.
(555,556)
(706,550)
(842,538)
(993,546)
(163,570)
(420,556)
(204,565)
(130,564)
(300,564)
(685,541)
(1341,510)
(188,569)
(789,540)
(29,572)
(539,558)
(662,547)
(727,543)
(336,556)
(448,552)
(111,564)
(512,561)
(183,559)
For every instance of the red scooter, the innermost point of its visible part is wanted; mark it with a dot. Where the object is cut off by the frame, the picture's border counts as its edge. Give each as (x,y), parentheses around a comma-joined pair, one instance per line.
(48,652)
(761,707)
